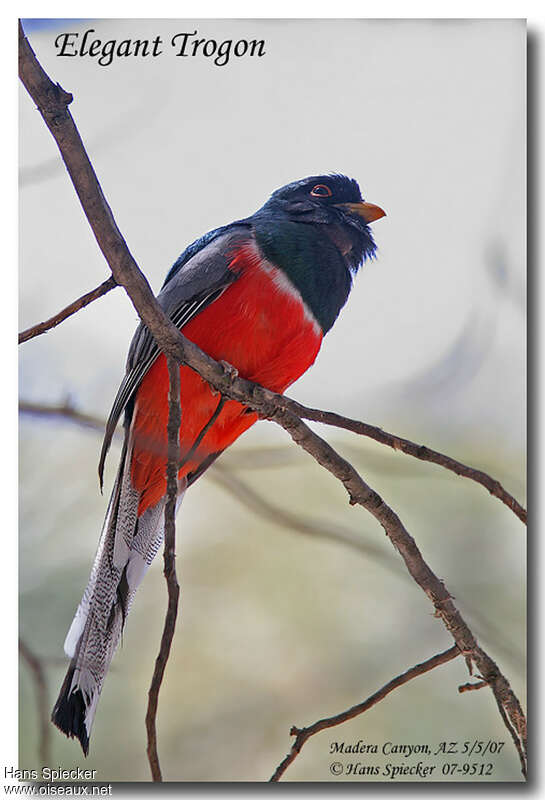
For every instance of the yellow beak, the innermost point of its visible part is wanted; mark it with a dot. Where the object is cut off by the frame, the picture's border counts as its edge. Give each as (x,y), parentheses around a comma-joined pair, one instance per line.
(368,211)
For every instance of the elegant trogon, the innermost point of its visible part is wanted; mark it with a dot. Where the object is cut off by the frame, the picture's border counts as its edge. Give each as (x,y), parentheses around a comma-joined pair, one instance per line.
(260,294)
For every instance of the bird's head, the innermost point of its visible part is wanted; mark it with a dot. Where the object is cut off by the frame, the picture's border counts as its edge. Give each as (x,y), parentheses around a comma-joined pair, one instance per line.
(334,201)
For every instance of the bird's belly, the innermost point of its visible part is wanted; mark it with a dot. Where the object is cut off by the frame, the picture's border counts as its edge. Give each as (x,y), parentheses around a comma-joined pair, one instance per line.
(259,325)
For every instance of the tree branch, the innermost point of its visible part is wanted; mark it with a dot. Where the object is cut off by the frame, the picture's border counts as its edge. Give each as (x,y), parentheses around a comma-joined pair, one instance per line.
(303,734)
(52,102)
(512,726)
(78,304)
(63,411)
(472,687)
(34,663)
(173,428)
(362,494)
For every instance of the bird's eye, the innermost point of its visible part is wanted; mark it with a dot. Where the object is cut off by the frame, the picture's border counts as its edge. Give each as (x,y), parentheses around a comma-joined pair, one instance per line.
(321,190)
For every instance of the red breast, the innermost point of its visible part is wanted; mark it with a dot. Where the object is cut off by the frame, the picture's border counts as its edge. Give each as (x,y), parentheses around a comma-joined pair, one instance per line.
(261,326)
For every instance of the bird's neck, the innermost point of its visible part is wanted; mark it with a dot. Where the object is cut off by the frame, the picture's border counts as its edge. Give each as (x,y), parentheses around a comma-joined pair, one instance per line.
(312,259)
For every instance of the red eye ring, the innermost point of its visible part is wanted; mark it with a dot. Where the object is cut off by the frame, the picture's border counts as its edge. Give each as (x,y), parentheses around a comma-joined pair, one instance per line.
(321,190)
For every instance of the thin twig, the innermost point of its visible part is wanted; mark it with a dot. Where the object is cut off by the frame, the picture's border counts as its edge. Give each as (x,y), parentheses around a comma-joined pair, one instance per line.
(63,411)
(303,734)
(174,421)
(472,687)
(77,305)
(52,101)
(37,671)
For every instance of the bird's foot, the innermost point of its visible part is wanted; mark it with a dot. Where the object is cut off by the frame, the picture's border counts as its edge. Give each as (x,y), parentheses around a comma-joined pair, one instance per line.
(231,372)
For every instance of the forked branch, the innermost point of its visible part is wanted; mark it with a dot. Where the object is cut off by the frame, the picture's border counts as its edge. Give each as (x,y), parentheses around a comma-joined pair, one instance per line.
(303,734)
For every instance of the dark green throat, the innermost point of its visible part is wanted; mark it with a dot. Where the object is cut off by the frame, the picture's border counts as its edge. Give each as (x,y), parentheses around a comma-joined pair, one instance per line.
(312,263)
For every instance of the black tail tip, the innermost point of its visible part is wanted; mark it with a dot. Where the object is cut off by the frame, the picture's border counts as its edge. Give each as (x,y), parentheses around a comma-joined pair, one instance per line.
(69,713)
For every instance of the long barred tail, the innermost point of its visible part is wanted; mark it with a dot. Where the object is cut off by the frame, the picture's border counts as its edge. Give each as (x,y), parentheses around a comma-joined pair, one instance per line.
(127,546)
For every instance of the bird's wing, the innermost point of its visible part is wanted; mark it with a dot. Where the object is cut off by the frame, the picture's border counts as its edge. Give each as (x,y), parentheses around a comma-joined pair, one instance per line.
(199,276)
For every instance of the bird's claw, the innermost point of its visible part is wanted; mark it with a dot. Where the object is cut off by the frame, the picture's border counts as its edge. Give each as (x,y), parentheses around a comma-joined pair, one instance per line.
(230,371)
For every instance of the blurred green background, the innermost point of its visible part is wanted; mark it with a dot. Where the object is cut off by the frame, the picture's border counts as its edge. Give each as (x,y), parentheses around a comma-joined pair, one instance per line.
(280,627)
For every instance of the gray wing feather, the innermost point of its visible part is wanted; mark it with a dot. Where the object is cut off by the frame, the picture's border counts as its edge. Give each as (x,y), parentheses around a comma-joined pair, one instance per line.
(196,285)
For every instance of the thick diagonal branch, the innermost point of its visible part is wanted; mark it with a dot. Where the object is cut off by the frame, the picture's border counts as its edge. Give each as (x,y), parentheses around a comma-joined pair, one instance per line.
(362,494)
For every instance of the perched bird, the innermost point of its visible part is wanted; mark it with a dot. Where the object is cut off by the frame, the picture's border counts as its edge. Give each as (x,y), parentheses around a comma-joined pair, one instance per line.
(260,294)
